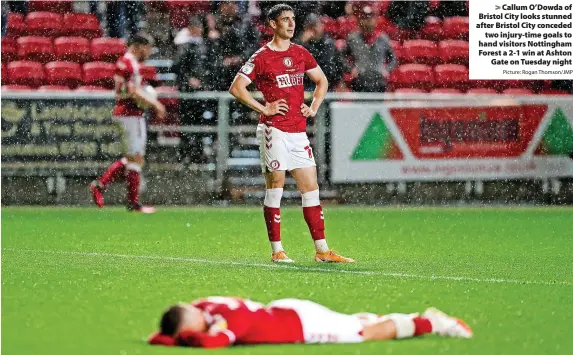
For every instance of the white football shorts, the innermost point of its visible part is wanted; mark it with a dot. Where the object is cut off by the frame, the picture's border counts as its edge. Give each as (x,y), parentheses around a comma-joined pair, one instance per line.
(323,325)
(282,150)
(133,134)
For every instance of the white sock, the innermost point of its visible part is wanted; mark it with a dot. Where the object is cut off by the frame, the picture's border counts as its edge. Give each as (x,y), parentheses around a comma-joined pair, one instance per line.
(321,246)
(277,246)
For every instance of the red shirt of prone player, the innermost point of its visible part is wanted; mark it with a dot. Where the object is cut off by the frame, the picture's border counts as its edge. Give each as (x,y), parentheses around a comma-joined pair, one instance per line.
(217,322)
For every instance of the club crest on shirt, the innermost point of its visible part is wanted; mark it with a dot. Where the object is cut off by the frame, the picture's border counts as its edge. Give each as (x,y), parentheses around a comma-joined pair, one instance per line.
(287,61)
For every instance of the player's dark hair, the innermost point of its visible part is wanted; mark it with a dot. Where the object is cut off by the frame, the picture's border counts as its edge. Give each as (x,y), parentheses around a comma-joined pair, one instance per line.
(277,10)
(170,320)
(141,38)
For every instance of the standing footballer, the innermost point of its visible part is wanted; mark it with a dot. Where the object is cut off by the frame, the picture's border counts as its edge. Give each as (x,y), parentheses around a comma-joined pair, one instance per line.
(278,69)
(132,100)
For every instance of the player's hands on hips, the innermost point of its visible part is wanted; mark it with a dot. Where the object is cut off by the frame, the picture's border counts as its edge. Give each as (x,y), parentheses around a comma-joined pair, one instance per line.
(278,107)
(307,111)
(160,111)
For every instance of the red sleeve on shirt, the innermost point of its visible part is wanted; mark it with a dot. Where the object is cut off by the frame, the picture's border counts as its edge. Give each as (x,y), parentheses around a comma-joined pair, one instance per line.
(309,61)
(251,68)
(203,340)
(124,69)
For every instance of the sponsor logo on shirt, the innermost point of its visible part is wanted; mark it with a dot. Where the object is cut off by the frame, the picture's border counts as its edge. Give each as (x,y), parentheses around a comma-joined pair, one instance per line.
(288,80)
(248,68)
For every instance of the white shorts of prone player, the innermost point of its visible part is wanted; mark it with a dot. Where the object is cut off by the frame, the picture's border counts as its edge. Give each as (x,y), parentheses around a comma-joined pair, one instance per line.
(133,134)
(323,325)
(282,150)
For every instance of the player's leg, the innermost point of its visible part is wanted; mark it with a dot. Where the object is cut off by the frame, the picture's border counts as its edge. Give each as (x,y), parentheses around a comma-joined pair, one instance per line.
(273,164)
(304,173)
(137,139)
(114,172)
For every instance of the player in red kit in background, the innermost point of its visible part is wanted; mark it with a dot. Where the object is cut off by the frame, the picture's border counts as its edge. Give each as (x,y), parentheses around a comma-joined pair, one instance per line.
(217,322)
(131,101)
(278,69)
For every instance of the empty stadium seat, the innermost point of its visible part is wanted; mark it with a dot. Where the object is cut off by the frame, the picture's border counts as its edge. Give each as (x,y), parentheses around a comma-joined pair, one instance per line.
(454,51)
(9,50)
(420,51)
(432,29)
(16,88)
(82,25)
(418,76)
(45,88)
(456,27)
(482,91)
(63,73)
(108,49)
(554,92)
(90,88)
(518,91)
(59,6)
(40,23)
(35,48)
(99,74)
(448,91)
(394,32)
(409,91)
(73,49)
(15,25)
(26,73)
(180,10)
(452,76)
(4,77)
(398,51)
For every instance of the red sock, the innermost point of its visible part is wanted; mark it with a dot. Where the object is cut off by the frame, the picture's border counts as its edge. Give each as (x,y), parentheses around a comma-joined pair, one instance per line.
(133,179)
(114,172)
(315,220)
(422,326)
(273,221)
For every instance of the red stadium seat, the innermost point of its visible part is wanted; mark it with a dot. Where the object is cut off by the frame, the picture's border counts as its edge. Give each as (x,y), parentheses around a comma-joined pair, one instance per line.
(432,29)
(180,10)
(346,24)
(16,88)
(35,48)
(330,25)
(63,73)
(99,74)
(452,76)
(554,92)
(108,49)
(82,25)
(418,76)
(26,73)
(409,91)
(482,91)
(456,27)
(73,49)
(45,88)
(420,51)
(47,24)
(394,32)
(398,51)
(4,77)
(448,91)
(454,51)
(59,6)
(518,91)
(90,88)
(9,50)
(15,25)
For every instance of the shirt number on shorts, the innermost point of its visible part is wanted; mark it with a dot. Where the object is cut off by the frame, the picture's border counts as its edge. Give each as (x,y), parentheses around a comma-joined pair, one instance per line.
(309,151)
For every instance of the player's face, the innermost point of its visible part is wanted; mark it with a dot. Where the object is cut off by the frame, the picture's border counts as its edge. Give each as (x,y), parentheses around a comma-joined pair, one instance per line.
(192,320)
(284,25)
(144,52)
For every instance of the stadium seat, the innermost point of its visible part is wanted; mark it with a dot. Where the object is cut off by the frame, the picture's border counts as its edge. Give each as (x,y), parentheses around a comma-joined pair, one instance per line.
(411,76)
(409,91)
(171,107)
(45,88)
(82,25)
(452,76)
(432,29)
(40,23)
(554,92)
(518,91)
(9,50)
(454,51)
(330,25)
(63,73)
(346,24)
(420,51)
(90,88)
(4,77)
(16,88)
(448,91)
(394,32)
(398,51)
(180,10)
(73,49)
(15,25)
(99,74)
(35,48)
(456,27)
(26,73)
(108,49)
(60,6)
(482,91)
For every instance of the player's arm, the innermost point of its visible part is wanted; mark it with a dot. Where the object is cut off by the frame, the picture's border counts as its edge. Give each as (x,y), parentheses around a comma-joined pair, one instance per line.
(239,90)
(137,93)
(317,75)
(205,340)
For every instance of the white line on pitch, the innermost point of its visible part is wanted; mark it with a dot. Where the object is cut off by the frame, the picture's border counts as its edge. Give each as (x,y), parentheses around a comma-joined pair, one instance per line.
(300,268)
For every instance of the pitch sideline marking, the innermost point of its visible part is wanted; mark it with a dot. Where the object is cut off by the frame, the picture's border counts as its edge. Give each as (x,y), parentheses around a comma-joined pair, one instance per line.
(317,269)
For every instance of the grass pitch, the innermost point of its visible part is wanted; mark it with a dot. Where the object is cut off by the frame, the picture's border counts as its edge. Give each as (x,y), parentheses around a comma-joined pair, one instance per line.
(87,281)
